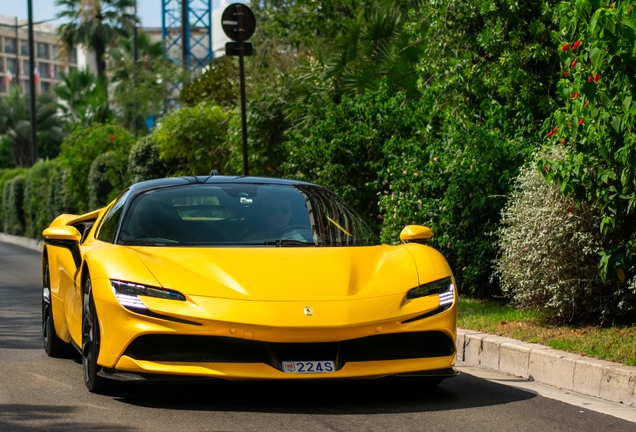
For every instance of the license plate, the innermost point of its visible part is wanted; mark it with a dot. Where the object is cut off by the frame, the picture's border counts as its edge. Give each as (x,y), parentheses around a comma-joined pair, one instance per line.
(309,366)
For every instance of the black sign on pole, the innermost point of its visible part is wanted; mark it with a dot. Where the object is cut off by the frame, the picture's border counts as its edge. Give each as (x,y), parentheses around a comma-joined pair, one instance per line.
(238,24)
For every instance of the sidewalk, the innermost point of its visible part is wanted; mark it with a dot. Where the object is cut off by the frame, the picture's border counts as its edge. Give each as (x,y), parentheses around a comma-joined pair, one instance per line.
(589,376)
(599,378)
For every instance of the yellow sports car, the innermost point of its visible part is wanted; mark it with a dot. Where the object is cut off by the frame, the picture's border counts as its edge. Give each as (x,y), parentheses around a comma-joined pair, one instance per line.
(243,278)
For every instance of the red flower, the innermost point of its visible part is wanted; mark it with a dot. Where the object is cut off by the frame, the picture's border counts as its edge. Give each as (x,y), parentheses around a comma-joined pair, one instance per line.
(575,95)
(587,103)
(589,79)
(552,132)
(565,73)
(597,77)
(546,168)
(576,44)
(112,137)
(565,47)
(563,141)
(580,121)
(573,63)
(612,6)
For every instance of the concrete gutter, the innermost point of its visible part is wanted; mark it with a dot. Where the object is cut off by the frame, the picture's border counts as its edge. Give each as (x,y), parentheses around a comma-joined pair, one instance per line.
(599,378)
(592,377)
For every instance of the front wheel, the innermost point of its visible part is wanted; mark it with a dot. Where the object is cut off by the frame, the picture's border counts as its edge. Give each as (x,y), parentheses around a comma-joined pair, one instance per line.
(53,345)
(90,342)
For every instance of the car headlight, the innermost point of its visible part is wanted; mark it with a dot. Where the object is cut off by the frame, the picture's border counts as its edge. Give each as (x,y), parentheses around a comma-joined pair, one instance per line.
(127,293)
(443,287)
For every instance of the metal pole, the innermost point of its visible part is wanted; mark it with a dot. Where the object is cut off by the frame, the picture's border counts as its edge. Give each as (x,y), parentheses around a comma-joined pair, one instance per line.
(242,79)
(184,33)
(34,123)
(135,57)
(17,52)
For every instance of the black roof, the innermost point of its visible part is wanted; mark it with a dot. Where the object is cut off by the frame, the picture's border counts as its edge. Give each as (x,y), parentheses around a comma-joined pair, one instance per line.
(179,181)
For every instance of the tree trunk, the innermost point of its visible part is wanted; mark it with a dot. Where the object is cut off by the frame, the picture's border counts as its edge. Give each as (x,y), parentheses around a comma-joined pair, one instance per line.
(21,152)
(100,52)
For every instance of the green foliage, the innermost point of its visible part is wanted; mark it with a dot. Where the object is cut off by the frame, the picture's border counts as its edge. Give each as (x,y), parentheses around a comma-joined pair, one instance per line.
(196,138)
(36,192)
(15,122)
(13,205)
(81,148)
(342,148)
(6,175)
(107,177)
(596,123)
(59,199)
(84,99)
(219,84)
(144,162)
(142,87)
(6,156)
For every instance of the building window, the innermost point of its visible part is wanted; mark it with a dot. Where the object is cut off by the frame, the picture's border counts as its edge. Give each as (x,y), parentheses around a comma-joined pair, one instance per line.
(3,85)
(27,86)
(54,51)
(43,50)
(26,67)
(72,58)
(1,64)
(24,47)
(57,69)
(9,45)
(45,87)
(43,70)
(12,66)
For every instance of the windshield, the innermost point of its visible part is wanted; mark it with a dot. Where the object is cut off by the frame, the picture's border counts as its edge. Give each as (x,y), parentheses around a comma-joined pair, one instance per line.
(243,215)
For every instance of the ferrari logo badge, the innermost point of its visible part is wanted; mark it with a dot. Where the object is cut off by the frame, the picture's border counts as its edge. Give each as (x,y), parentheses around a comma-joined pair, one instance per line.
(308,311)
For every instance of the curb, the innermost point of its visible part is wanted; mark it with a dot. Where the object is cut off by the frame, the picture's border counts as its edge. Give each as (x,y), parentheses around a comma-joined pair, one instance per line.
(592,377)
(22,241)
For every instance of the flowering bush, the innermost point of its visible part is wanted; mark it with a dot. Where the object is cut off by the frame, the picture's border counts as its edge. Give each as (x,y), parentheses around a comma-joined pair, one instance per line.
(548,251)
(596,124)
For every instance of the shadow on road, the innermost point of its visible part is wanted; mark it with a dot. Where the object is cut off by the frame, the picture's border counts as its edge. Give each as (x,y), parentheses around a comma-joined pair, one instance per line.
(323,397)
(33,418)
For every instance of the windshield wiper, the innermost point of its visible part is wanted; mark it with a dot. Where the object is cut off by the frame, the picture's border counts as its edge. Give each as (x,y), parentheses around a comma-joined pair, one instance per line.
(281,242)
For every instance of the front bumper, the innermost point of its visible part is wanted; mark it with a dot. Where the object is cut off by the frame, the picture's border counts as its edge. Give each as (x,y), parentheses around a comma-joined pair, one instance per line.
(336,323)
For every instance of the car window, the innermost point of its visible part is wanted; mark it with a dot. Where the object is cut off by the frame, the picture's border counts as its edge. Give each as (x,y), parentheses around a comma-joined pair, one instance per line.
(243,215)
(110,222)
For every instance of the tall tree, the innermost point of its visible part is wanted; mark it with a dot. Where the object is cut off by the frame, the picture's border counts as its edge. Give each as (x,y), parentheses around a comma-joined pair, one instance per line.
(95,24)
(15,122)
(83,99)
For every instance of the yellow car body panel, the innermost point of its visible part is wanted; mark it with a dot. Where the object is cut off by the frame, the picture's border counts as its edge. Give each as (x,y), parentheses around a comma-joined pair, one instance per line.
(263,294)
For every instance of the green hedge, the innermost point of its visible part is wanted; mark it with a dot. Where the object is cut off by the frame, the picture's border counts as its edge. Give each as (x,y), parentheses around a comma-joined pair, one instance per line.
(6,175)
(13,205)
(36,192)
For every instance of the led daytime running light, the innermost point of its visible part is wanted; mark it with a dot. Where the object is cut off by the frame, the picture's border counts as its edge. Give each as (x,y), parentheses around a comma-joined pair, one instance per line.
(128,293)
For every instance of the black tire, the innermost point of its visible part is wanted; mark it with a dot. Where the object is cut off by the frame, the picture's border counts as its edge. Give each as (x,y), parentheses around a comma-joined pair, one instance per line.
(90,343)
(53,345)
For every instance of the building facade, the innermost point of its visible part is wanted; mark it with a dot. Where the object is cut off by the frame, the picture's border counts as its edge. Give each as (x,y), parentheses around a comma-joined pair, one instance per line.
(14,56)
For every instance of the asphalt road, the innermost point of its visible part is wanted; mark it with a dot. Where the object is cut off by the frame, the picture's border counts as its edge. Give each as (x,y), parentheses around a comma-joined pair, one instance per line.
(38,393)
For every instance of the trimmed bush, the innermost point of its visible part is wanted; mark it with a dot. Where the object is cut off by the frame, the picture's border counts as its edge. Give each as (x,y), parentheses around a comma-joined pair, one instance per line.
(36,191)
(13,205)
(6,175)
(106,179)
(81,148)
(196,138)
(549,250)
(144,162)
(59,199)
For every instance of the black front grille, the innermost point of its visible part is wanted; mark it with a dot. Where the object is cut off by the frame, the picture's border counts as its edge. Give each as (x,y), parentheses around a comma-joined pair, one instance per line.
(220,349)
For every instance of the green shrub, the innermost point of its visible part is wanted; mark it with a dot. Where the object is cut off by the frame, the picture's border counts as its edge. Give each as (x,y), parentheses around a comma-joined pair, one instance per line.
(549,252)
(596,124)
(195,137)
(6,152)
(36,191)
(81,148)
(59,200)
(144,162)
(13,205)
(106,179)
(6,175)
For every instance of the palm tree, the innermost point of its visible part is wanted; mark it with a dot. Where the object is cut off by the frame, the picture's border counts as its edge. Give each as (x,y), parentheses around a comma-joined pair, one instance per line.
(15,122)
(95,24)
(83,98)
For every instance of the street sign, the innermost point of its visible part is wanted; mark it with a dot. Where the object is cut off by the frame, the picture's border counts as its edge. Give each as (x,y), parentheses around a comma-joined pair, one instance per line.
(238,22)
(233,49)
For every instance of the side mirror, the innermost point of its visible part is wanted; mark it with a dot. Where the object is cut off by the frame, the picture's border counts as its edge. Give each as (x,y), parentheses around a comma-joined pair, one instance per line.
(66,237)
(416,234)
(62,233)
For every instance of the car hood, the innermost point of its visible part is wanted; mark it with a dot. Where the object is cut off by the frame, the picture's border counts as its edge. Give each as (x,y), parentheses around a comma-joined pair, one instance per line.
(283,274)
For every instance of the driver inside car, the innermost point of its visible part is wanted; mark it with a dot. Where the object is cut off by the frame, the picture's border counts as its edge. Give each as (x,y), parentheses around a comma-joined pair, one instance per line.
(276,215)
